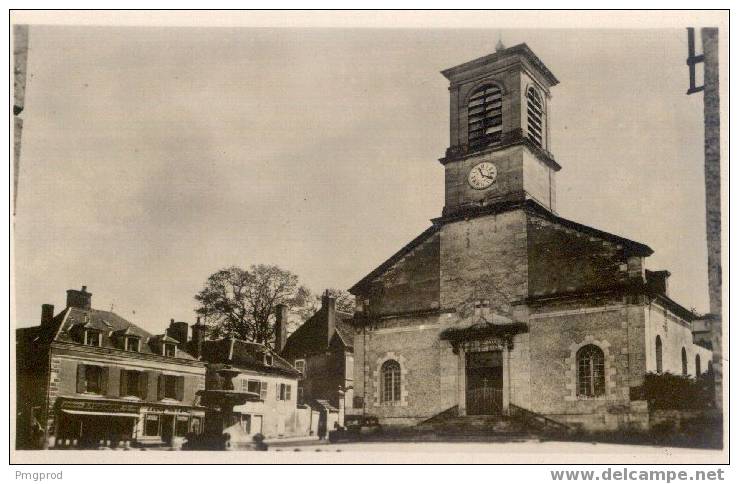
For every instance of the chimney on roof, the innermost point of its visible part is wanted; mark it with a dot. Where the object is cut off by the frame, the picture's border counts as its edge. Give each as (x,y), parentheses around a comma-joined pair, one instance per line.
(178,330)
(198,337)
(79,299)
(280,327)
(328,305)
(657,281)
(47,314)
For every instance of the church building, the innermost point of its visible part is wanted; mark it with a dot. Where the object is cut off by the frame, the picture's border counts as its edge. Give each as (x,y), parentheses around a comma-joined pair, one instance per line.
(502,305)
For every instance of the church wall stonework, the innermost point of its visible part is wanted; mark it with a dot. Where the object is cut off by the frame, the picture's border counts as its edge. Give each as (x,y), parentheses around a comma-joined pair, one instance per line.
(520,371)
(556,334)
(538,181)
(484,258)
(508,183)
(415,344)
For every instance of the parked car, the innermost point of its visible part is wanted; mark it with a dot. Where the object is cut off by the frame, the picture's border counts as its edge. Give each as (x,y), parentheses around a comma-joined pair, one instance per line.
(356,427)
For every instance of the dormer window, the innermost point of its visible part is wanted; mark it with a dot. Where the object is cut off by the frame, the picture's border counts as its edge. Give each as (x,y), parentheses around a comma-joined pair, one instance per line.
(132,343)
(93,337)
(169,349)
(268,359)
(535,116)
(485,115)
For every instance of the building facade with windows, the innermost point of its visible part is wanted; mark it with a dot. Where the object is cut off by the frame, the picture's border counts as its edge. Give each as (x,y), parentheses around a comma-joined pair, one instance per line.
(264,373)
(90,378)
(502,302)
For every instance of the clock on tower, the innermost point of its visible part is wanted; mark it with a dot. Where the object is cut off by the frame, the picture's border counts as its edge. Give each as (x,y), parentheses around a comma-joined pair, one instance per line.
(499,133)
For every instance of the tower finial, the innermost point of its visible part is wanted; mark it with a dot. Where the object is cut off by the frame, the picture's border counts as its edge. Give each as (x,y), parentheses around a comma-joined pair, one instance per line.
(499,46)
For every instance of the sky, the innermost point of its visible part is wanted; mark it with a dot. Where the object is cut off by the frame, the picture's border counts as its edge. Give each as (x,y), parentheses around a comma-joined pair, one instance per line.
(153,157)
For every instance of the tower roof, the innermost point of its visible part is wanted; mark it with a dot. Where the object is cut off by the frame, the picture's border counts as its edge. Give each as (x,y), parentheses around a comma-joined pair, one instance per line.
(521,50)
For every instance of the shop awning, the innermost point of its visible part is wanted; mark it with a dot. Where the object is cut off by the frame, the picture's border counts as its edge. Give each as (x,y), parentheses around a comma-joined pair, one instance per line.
(106,414)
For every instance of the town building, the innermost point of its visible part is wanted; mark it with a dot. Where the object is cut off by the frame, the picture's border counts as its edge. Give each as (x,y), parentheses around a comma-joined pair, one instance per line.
(262,372)
(322,349)
(502,305)
(90,378)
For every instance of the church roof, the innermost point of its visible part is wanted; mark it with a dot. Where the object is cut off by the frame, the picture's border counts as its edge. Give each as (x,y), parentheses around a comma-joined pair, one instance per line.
(635,248)
(379,270)
(519,49)
(530,207)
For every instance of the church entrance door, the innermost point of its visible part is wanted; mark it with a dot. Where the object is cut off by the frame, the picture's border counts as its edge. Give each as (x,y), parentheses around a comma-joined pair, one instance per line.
(484,375)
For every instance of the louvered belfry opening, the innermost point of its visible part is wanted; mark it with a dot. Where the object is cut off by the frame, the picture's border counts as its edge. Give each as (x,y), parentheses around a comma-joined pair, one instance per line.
(485,116)
(535,112)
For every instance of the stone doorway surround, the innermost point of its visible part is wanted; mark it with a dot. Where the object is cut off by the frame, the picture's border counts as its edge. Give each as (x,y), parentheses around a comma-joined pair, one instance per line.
(476,346)
(478,338)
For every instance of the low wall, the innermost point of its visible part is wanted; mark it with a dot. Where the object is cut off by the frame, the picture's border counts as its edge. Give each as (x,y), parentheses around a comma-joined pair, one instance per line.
(633,416)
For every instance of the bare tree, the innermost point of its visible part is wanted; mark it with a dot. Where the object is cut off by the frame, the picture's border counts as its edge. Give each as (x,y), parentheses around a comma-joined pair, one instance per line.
(241,303)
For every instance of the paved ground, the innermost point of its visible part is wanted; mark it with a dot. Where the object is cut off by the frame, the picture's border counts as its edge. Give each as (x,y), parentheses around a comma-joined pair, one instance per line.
(520,451)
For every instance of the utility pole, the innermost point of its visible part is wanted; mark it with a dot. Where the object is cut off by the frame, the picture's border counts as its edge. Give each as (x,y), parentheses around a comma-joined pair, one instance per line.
(712,170)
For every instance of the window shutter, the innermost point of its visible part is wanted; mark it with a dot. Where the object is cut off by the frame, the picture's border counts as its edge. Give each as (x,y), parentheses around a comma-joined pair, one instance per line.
(277,390)
(143,385)
(114,382)
(104,374)
(151,389)
(288,391)
(81,382)
(124,383)
(160,387)
(180,388)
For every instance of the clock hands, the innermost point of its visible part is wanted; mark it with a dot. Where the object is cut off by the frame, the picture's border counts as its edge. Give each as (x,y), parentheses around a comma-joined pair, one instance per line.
(479,170)
(482,176)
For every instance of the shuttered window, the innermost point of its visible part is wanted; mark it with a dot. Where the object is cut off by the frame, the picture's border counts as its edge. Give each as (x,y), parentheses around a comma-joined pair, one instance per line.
(535,116)
(485,115)
(171,387)
(281,391)
(133,384)
(263,391)
(253,386)
(92,379)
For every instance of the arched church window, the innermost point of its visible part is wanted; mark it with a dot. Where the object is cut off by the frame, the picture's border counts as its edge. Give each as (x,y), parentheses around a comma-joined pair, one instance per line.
(697,366)
(591,380)
(535,116)
(658,353)
(684,355)
(391,381)
(485,115)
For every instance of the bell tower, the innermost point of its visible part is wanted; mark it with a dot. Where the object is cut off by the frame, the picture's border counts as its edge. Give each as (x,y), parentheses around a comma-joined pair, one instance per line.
(499,133)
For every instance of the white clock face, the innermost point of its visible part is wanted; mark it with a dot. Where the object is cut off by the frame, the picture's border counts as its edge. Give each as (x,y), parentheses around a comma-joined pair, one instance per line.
(482,175)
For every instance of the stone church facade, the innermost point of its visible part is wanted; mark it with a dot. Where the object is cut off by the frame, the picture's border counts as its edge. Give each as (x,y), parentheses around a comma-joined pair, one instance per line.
(503,303)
